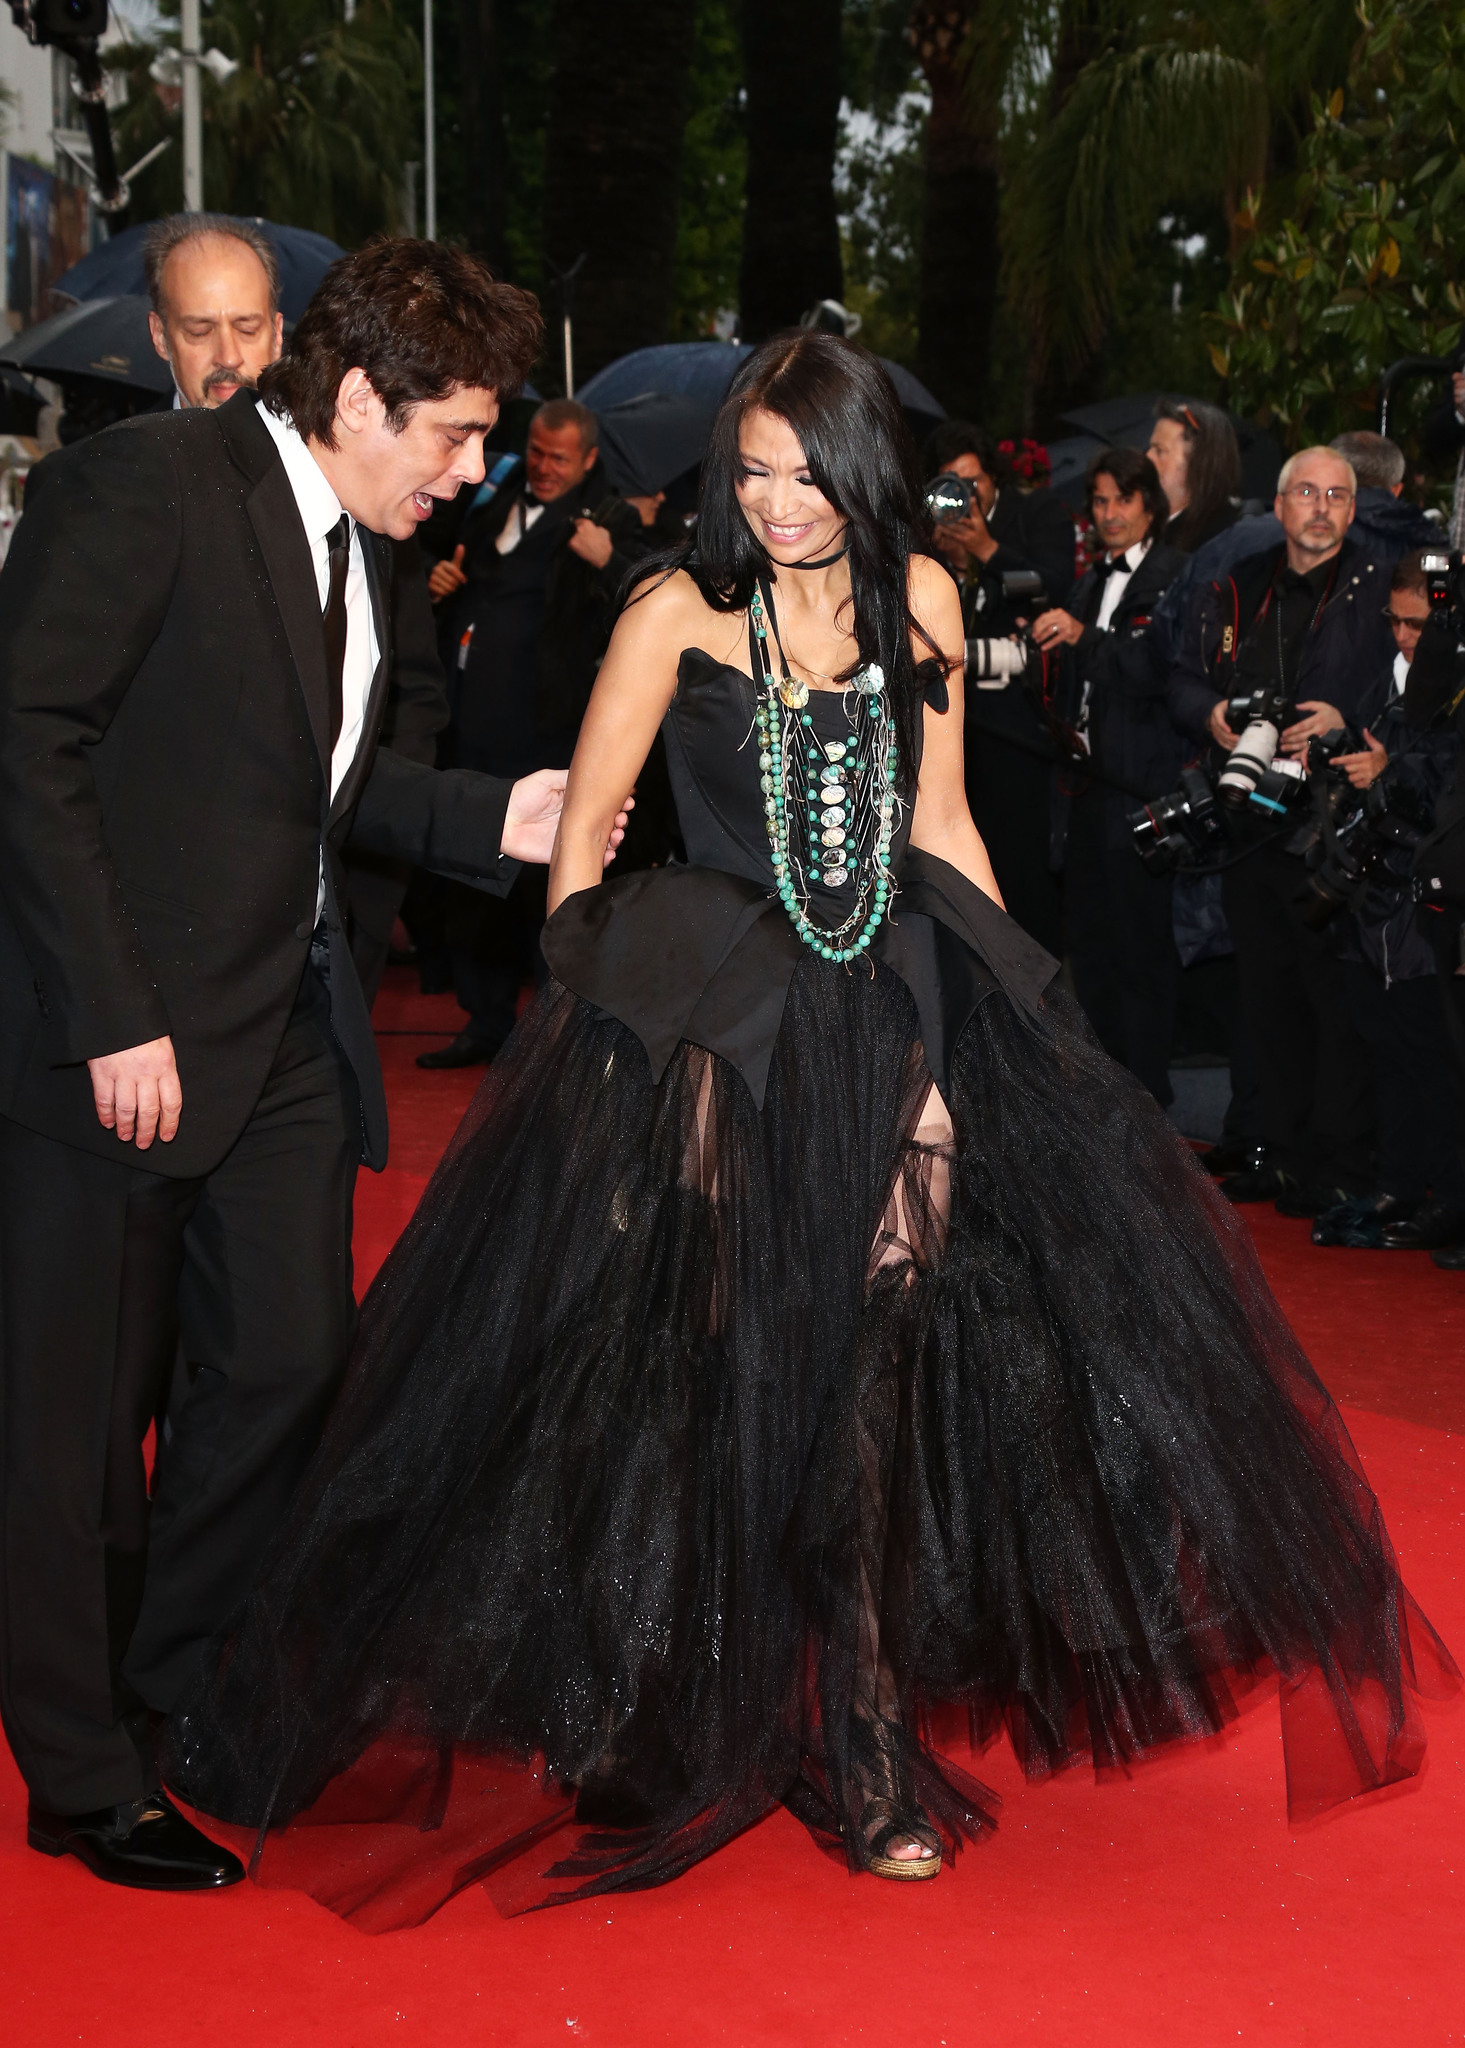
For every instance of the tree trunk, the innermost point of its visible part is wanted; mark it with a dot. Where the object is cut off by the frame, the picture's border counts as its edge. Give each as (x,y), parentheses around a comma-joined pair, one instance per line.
(791,256)
(481,85)
(618,104)
(960,245)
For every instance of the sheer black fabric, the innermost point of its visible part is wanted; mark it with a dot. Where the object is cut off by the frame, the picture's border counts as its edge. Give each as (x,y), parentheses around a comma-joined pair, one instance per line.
(697,1446)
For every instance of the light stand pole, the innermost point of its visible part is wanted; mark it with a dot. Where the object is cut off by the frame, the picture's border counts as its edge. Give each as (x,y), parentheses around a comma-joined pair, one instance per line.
(429,120)
(565,279)
(188,42)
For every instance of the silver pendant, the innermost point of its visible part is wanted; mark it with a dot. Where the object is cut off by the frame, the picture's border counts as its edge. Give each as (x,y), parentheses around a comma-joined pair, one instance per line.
(833,835)
(834,750)
(835,878)
(795,694)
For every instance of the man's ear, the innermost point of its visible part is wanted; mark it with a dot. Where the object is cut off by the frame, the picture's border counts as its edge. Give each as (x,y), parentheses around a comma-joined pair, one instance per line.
(592,456)
(357,405)
(279,336)
(159,334)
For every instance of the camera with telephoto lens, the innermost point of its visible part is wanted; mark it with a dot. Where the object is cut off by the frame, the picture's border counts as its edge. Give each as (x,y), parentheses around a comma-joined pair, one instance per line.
(1251,766)
(949,497)
(992,663)
(1181,830)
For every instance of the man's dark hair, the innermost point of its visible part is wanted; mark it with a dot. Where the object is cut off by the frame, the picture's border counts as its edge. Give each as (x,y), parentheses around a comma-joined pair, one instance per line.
(568,412)
(419,318)
(175,229)
(1212,467)
(960,437)
(1409,575)
(1131,471)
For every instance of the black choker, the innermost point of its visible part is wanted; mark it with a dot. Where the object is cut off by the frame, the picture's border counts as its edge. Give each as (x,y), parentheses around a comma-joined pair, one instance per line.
(824,561)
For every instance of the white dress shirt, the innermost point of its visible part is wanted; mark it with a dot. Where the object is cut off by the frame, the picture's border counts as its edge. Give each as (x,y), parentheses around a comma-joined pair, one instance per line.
(521,517)
(1117,582)
(320,509)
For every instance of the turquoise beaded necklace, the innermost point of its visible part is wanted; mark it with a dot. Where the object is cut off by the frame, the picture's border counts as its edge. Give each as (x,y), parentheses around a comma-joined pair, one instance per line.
(842,811)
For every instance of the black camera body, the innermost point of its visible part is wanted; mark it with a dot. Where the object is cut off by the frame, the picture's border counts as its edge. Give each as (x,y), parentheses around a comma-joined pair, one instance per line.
(1181,830)
(1444,579)
(60,22)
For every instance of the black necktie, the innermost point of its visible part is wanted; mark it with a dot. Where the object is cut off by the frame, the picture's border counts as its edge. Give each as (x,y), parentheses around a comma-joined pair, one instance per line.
(333,618)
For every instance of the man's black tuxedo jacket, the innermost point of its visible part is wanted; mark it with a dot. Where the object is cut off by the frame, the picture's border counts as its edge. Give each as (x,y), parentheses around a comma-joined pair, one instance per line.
(164,787)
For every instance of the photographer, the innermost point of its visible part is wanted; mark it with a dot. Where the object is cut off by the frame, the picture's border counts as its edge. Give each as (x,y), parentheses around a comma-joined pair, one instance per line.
(1111,721)
(1009,754)
(1198,461)
(1303,625)
(1389,964)
(525,590)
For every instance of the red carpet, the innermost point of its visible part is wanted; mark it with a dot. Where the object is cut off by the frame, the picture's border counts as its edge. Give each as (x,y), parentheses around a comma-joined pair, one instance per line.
(1174,1907)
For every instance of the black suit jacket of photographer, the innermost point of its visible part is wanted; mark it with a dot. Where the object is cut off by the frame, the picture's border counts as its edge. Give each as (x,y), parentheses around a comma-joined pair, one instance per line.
(164,789)
(579,599)
(1345,659)
(1131,737)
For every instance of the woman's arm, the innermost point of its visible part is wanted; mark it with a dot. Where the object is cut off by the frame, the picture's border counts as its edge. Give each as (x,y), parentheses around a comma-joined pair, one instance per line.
(636,683)
(942,823)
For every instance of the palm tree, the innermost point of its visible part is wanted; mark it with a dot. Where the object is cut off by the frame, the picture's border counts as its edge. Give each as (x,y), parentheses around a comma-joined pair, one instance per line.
(960,206)
(1118,109)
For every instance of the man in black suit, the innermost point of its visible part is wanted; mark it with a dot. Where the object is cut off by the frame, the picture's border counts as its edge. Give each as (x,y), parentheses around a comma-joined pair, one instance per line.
(1009,754)
(1109,707)
(526,595)
(195,645)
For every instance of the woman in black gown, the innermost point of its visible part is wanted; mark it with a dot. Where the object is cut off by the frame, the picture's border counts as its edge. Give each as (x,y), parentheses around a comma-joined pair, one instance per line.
(808,1328)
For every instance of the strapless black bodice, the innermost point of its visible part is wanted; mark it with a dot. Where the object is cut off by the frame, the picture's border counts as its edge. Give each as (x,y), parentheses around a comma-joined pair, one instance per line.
(705,952)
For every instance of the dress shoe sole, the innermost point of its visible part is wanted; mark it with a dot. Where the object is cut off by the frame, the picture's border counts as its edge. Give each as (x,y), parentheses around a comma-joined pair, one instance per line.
(137,1877)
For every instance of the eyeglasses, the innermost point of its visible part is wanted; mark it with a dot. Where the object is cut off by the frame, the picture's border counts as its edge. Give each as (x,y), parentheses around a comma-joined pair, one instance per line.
(1406,621)
(1336,494)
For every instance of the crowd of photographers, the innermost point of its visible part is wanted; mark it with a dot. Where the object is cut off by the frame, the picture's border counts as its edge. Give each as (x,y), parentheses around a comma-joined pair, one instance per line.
(1219,771)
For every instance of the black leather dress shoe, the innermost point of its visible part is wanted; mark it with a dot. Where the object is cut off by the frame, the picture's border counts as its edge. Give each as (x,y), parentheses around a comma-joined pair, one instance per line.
(1359,1222)
(1430,1229)
(146,1844)
(1235,1155)
(464,1051)
(1451,1259)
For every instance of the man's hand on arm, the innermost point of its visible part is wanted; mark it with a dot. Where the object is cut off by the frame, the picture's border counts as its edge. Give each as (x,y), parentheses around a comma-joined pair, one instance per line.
(1220,732)
(1320,718)
(592,543)
(137,1092)
(533,817)
(446,577)
(1057,629)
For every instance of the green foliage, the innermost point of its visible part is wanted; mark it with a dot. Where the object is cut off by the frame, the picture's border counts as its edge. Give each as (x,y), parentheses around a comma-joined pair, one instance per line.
(714,160)
(1369,263)
(313,128)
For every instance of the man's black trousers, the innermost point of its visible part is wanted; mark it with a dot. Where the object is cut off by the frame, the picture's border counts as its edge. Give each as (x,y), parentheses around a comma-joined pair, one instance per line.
(1314,1084)
(1120,940)
(112,1276)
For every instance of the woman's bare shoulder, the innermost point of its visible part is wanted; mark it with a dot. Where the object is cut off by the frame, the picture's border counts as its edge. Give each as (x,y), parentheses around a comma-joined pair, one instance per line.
(672,609)
(929,585)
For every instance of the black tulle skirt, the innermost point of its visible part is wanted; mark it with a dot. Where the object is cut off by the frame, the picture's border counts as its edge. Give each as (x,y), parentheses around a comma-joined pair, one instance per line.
(691,1456)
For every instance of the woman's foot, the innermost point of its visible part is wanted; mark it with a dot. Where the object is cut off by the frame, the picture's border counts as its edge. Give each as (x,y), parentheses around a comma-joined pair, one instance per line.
(898,1844)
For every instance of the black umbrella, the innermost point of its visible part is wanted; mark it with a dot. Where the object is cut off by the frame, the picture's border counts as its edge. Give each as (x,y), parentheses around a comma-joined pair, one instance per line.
(646,441)
(699,372)
(115,269)
(104,339)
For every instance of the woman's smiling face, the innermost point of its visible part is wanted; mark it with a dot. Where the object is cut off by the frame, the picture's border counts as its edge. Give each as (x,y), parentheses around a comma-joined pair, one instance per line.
(783,505)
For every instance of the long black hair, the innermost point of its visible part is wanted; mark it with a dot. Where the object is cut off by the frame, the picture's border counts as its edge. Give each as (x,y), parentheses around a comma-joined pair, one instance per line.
(1212,471)
(842,406)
